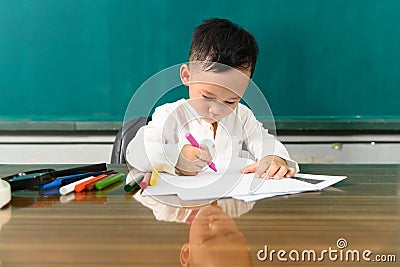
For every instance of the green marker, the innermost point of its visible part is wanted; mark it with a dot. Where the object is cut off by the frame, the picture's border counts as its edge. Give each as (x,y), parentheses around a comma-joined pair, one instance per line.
(134,184)
(109,181)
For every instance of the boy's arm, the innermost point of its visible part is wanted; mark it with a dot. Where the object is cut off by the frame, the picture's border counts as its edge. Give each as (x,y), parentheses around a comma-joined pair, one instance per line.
(281,151)
(265,144)
(261,144)
(155,145)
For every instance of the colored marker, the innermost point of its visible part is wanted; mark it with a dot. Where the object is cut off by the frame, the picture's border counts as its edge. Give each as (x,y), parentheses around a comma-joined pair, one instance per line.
(106,191)
(78,177)
(134,184)
(109,181)
(130,177)
(154,177)
(52,191)
(146,180)
(81,186)
(194,143)
(68,179)
(54,183)
(90,186)
(70,187)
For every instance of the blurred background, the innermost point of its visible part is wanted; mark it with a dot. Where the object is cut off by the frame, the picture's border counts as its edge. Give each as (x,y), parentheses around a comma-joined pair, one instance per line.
(68,69)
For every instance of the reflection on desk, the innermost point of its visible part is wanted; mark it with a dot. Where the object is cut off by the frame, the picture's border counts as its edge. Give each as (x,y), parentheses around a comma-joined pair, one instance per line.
(119,231)
(164,211)
(214,238)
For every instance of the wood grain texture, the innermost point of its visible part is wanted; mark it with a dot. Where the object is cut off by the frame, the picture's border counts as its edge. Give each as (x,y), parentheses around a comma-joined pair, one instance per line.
(113,229)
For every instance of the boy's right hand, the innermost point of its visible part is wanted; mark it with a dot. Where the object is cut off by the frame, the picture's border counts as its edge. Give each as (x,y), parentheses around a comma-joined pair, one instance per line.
(192,160)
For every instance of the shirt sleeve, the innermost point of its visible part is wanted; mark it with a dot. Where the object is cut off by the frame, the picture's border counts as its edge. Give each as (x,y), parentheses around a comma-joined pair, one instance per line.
(259,142)
(155,146)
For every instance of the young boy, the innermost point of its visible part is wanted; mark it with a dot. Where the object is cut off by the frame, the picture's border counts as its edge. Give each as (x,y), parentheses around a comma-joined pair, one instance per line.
(222,61)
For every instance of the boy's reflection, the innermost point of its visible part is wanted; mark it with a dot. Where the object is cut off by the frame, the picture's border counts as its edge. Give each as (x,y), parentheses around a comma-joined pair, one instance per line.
(214,238)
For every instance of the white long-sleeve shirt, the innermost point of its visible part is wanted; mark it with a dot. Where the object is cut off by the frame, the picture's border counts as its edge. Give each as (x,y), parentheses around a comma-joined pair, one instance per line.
(158,144)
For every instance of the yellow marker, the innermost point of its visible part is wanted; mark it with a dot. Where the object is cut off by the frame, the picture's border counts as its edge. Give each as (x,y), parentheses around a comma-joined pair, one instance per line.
(154,177)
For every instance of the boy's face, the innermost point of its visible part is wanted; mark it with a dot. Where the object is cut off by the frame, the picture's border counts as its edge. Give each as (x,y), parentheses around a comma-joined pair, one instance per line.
(215,95)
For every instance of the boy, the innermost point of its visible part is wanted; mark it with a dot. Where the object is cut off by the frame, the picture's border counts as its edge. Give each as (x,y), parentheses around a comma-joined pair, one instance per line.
(222,61)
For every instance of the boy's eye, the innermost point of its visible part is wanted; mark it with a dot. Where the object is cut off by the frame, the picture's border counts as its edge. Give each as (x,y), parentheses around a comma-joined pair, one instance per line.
(208,98)
(211,98)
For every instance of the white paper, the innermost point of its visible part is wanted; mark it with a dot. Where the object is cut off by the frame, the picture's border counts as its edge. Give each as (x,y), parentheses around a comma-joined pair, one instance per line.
(229,182)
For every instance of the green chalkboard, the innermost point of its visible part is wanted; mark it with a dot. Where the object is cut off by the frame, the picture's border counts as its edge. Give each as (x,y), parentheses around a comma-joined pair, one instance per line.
(83,60)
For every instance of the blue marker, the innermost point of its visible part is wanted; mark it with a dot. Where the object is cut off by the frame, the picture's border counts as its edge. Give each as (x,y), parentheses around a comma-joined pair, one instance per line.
(69,179)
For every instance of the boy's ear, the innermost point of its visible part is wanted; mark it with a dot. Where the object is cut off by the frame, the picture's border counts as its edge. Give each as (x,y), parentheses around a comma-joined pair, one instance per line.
(185,254)
(185,74)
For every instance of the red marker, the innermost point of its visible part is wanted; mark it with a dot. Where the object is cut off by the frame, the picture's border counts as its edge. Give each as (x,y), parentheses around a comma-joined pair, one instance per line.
(194,143)
(145,182)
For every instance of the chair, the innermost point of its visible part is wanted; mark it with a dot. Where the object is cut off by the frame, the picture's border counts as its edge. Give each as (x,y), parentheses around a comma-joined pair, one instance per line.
(124,136)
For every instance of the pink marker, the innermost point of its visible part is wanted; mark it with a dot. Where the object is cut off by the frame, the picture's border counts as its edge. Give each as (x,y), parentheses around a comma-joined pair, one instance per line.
(194,143)
(145,182)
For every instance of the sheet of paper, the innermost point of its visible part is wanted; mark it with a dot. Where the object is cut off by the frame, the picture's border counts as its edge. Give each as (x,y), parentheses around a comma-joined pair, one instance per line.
(229,182)
(206,185)
(320,181)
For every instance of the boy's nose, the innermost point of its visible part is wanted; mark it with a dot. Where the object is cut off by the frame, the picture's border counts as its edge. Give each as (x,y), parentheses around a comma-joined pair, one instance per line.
(218,108)
(215,110)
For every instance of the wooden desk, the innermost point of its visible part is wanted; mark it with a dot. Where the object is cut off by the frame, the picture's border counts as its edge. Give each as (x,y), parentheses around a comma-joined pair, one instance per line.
(115,230)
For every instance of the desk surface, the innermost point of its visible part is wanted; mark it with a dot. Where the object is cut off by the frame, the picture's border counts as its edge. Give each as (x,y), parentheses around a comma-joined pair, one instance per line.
(113,229)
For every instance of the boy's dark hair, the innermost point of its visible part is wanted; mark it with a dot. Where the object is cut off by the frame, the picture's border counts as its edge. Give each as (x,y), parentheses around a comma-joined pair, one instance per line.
(221,41)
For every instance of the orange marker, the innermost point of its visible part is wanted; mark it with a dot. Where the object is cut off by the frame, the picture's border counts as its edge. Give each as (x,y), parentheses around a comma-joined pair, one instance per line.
(80,187)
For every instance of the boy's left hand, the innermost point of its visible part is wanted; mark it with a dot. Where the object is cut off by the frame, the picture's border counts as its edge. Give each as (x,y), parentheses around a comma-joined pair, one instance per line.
(272,166)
